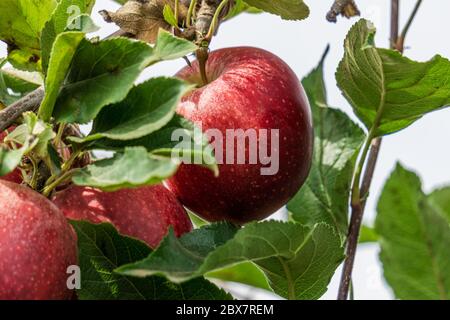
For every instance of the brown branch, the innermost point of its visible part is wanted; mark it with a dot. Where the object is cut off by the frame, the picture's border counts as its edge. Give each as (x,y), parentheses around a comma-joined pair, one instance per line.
(356,219)
(205,16)
(394,22)
(346,8)
(30,102)
(370,169)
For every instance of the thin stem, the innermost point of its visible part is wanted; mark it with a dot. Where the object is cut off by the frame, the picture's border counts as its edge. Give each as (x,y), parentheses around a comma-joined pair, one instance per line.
(215,21)
(62,178)
(66,165)
(59,135)
(207,22)
(395,14)
(370,168)
(191,9)
(34,174)
(352,290)
(202,57)
(361,189)
(356,219)
(177,4)
(356,191)
(401,39)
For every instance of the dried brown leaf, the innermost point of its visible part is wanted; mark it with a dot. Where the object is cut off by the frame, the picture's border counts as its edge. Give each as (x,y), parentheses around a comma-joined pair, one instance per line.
(144,18)
(346,8)
(350,10)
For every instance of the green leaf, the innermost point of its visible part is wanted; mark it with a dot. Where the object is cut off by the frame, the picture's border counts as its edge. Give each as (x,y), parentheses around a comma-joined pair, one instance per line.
(388,91)
(440,199)
(64,49)
(61,20)
(34,135)
(286,9)
(414,240)
(196,220)
(10,159)
(324,196)
(39,134)
(121,1)
(298,261)
(169,16)
(169,47)
(14,84)
(246,272)
(102,249)
(181,258)
(133,168)
(59,47)
(178,139)
(367,235)
(101,73)
(240,7)
(147,108)
(21,23)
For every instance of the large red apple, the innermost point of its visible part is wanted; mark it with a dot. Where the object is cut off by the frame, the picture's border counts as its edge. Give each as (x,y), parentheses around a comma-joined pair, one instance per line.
(36,246)
(145,213)
(249,88)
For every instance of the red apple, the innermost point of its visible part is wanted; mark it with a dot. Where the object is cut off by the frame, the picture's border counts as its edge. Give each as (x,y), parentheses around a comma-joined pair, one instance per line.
(145,213)
(249,88)
(36,246)
(16,174)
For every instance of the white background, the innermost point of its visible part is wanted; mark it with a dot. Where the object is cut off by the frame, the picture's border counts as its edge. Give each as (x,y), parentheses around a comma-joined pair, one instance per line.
(423,147)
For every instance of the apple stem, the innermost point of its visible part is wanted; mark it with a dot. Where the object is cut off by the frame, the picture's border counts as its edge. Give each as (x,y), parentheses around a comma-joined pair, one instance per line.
(202,57)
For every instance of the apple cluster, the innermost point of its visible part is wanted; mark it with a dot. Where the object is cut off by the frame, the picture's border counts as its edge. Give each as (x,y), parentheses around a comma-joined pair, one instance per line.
(248,88)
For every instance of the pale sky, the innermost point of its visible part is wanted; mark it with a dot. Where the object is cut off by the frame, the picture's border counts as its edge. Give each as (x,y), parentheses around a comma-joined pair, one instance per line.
(423,147)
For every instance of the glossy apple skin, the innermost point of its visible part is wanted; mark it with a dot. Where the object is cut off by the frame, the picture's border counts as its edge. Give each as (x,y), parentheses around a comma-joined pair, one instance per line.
(36,246)
(249,88)
(14,176)
(145,213)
